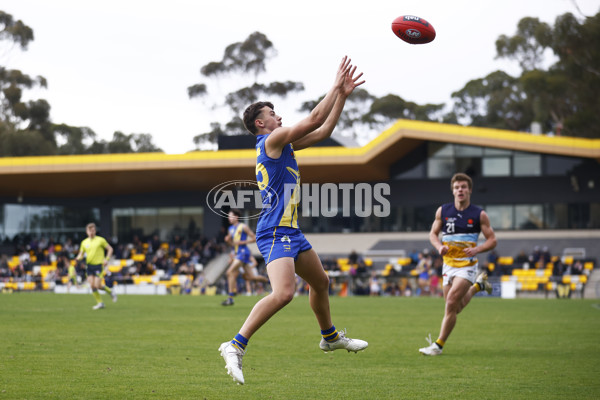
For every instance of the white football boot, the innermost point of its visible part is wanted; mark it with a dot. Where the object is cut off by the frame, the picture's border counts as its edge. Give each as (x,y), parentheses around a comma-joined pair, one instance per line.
(233,361)
(432,350)
(343,342)
(483,282)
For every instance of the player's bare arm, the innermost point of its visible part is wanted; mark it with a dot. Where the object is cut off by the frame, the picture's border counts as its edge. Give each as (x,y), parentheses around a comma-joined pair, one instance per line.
(351,82)
(281,136)
(250,236)
(109,253)
(434,234)
(488,234)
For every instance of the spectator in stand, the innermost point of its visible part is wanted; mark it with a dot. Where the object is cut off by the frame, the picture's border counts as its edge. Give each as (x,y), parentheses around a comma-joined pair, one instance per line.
(329,264)
(423,271)
(545,257)
(357,263)
(521,259)
(374,287)
(492,258)
(534,257)
(577,268)
(4,269)
(558,269)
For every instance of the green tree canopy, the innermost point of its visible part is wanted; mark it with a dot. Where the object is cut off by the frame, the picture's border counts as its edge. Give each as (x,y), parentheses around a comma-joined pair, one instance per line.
(562,99)
(25,126)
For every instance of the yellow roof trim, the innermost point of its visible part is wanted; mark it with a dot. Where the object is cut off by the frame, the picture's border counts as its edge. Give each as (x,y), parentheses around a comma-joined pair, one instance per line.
(400,129)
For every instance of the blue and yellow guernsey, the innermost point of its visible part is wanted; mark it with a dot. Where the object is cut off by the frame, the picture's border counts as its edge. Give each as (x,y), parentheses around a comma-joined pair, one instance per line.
(279,184)
(237,234)
(460,229)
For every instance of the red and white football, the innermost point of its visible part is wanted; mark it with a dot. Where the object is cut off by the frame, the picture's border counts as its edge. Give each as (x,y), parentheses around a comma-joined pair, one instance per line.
(413,30)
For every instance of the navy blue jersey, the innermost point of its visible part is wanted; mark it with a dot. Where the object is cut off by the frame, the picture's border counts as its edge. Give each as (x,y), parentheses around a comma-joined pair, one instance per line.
(460,229)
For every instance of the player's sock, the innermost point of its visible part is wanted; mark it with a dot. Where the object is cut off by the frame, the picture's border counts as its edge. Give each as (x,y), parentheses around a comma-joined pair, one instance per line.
(240,342)
(232,294)
(330,335)
(97,296)
(107,289)
(478,286)
(440,343)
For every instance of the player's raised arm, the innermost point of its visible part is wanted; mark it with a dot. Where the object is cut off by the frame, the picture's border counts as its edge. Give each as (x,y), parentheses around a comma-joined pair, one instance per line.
(350,83)
(280,136)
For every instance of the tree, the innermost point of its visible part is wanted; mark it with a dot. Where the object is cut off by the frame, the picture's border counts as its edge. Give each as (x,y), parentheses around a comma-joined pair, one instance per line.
(248,58)
(564,98)
(26,128)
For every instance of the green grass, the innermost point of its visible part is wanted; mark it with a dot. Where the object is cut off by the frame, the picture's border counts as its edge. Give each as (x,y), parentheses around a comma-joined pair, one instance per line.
(165,347)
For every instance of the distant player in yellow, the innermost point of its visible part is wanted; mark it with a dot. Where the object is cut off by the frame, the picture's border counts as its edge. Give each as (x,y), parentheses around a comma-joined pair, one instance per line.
(97,253)
(72,276)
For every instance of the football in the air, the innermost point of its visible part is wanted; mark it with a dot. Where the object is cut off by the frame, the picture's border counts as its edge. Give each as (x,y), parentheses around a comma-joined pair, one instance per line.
(413,30)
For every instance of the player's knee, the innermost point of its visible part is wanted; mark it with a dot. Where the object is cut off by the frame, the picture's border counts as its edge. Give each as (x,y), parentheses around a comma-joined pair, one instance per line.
(453,305)
(283,297)
(321,284)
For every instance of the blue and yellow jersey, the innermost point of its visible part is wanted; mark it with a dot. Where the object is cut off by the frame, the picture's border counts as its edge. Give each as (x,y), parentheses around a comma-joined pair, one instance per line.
(237,233)
(460,229)
(94,250)
(279,184)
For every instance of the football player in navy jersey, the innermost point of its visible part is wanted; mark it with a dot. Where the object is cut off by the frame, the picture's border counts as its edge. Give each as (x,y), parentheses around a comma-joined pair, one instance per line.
(460,223)
(283,246)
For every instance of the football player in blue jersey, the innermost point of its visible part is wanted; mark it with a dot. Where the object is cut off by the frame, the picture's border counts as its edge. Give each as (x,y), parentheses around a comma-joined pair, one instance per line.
(460,223)
(283,246)
(238,236)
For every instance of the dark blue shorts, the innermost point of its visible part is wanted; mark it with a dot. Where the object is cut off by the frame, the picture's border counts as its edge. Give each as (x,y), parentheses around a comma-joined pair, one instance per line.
(243,254)
(281,242)
(94,269)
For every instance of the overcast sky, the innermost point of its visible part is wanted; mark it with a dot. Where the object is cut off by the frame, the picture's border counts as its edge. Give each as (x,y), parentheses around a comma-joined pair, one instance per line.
(125,65)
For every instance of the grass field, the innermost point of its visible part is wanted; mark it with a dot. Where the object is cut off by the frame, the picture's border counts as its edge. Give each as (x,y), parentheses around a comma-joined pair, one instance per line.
(165,347)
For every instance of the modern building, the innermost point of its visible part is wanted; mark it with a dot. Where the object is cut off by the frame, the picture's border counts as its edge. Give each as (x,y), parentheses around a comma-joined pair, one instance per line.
(525,182)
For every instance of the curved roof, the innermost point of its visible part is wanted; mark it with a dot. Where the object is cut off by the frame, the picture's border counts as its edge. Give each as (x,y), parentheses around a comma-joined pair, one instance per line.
(112,174)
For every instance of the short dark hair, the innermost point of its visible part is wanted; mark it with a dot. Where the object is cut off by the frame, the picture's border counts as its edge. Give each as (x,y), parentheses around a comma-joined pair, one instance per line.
(236,212)
(252,112)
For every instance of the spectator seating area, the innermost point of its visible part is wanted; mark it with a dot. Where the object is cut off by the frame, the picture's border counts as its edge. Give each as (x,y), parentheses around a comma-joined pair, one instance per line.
(178,270)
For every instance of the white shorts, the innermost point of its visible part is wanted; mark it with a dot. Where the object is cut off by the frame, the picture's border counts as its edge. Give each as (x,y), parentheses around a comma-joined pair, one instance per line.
(449,273)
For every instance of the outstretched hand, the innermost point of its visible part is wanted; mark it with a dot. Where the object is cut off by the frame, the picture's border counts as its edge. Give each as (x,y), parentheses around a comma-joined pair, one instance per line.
(351,82)
(345,79)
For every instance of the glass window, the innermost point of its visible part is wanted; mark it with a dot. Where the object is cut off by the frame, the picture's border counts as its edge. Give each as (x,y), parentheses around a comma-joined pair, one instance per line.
(470,166)
(145,221)
(527,165)
(54,222)
(440,167)
(490,151)
(557,165)
(529,216)
(579,215)
(556,216)
(594,216)
(192,219)
(501,217)
(166,222)
(468,151)
(496,166)
(416,172)
(436,149)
